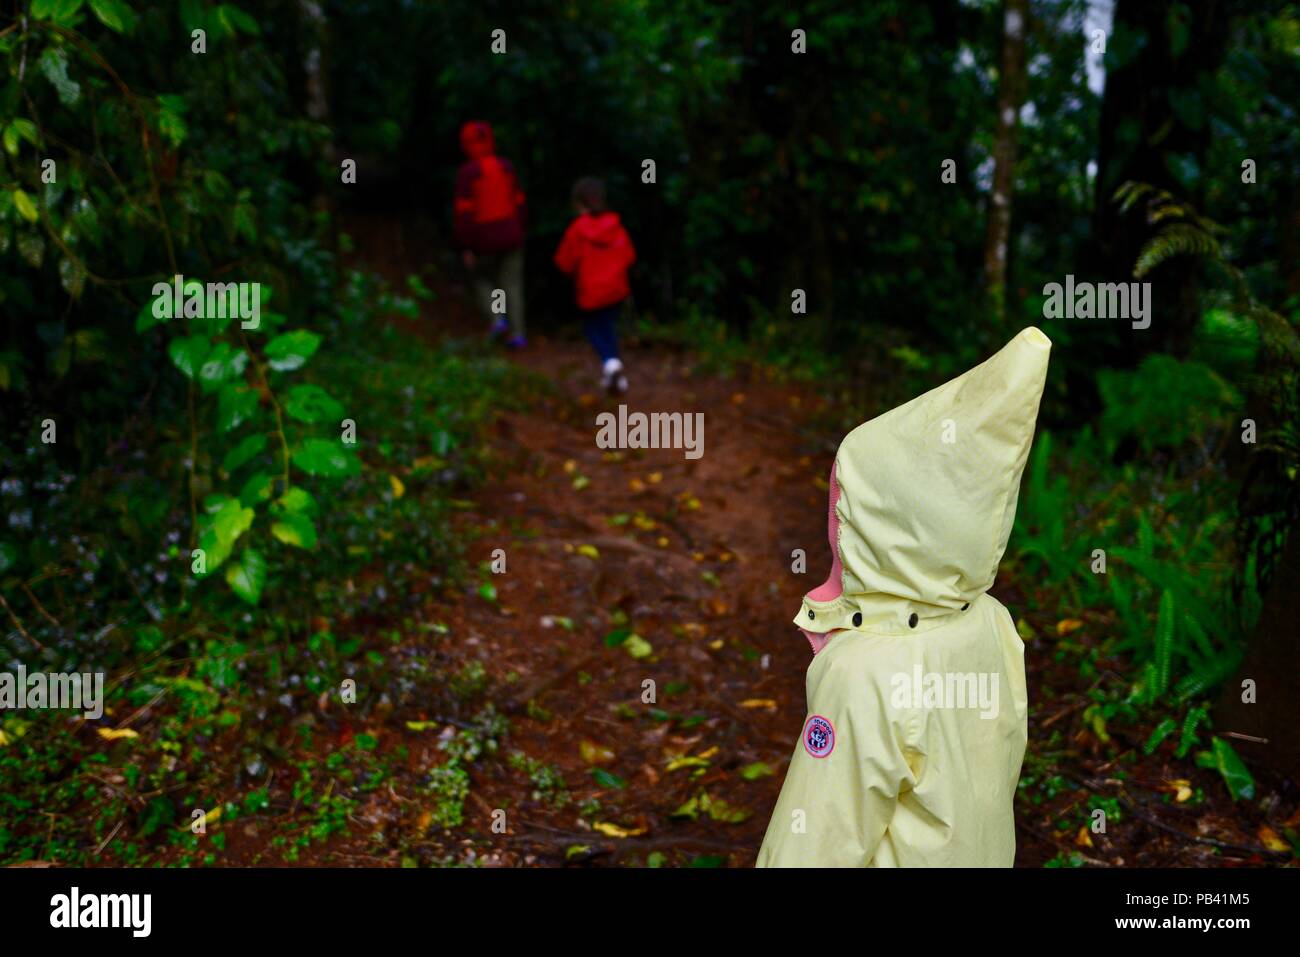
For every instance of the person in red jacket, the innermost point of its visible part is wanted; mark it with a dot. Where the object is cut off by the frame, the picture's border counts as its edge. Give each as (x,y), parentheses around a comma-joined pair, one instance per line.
(489,216)
(597,251)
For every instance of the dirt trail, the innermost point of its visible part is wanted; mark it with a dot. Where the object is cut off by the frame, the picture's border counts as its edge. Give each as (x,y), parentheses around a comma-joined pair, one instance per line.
(693,556)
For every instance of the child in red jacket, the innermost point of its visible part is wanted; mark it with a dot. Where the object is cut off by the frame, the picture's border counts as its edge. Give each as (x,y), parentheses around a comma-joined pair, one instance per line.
(597,251)
(489,214)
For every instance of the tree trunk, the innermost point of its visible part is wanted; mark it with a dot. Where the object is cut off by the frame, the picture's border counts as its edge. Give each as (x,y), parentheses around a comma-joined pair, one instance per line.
(1011,92)
(1271,663)
(1166,50)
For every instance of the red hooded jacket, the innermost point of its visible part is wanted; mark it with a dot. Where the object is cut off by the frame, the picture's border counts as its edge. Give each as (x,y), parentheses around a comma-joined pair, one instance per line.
(489,209)
(597,251)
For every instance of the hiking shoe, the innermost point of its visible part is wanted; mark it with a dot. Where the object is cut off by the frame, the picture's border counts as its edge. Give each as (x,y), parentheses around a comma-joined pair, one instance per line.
(500,326)
(612,378)
(518,342)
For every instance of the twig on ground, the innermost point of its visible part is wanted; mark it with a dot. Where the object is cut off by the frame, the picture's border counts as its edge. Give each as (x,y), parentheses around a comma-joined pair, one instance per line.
(18,623)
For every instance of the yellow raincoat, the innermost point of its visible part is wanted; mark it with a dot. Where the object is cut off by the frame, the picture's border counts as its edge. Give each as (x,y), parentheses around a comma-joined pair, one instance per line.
(917,707)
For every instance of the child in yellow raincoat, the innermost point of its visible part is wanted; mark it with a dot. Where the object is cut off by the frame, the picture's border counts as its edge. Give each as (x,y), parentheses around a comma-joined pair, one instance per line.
(917,707)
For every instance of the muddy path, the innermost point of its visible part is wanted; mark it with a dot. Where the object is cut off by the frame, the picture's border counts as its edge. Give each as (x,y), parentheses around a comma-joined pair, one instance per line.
(680,673)
(630,615)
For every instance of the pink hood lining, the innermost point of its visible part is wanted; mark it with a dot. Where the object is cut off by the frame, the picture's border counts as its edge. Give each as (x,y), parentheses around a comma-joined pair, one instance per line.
(833,586)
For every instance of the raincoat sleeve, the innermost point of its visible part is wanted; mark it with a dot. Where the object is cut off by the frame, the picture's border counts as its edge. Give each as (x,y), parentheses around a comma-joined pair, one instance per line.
(567,256)
(855,756)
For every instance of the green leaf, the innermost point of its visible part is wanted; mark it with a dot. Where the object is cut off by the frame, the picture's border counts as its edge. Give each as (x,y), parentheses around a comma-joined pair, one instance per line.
(231,521)
(243,453)
(26,208)
(26,129)
(114,14)
(617,637)
(226,521)
(638,647)
(224,362)
(247,576)
(291,350)
(726,812)
(236,404)
(296,500)
(257,489)
(171,118)
(295,529)
(54,67)
(1161,731)
(311,403)
(1224,759)
(326,457)
(63,11)
(188,352)
(607,780)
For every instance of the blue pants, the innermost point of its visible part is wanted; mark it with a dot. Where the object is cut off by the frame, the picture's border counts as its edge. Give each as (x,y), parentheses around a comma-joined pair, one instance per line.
(601,333)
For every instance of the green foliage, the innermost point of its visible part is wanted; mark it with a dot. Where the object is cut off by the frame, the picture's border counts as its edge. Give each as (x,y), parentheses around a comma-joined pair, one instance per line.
(1042,516)
(546,780)
(449,786)
(1181,230)
(1164,403)
(1222,757)
(1167,574)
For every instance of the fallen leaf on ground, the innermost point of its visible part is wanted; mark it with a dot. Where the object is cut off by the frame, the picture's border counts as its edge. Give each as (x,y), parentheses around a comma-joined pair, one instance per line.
(613,830)
(1271,840)
(112,734)
(594,753)
(638,647)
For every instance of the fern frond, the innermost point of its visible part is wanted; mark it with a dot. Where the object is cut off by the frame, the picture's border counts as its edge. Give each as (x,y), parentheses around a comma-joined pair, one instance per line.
(1161,731)
(1188,738)
(1164,646)
(1207,676)
(1177,239)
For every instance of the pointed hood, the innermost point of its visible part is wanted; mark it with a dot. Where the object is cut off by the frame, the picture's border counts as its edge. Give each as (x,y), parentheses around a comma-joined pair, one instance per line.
(476,139)
(923,497)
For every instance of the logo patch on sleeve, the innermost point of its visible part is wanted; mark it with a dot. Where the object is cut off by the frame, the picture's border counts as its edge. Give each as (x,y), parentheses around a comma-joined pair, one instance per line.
(818,736)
